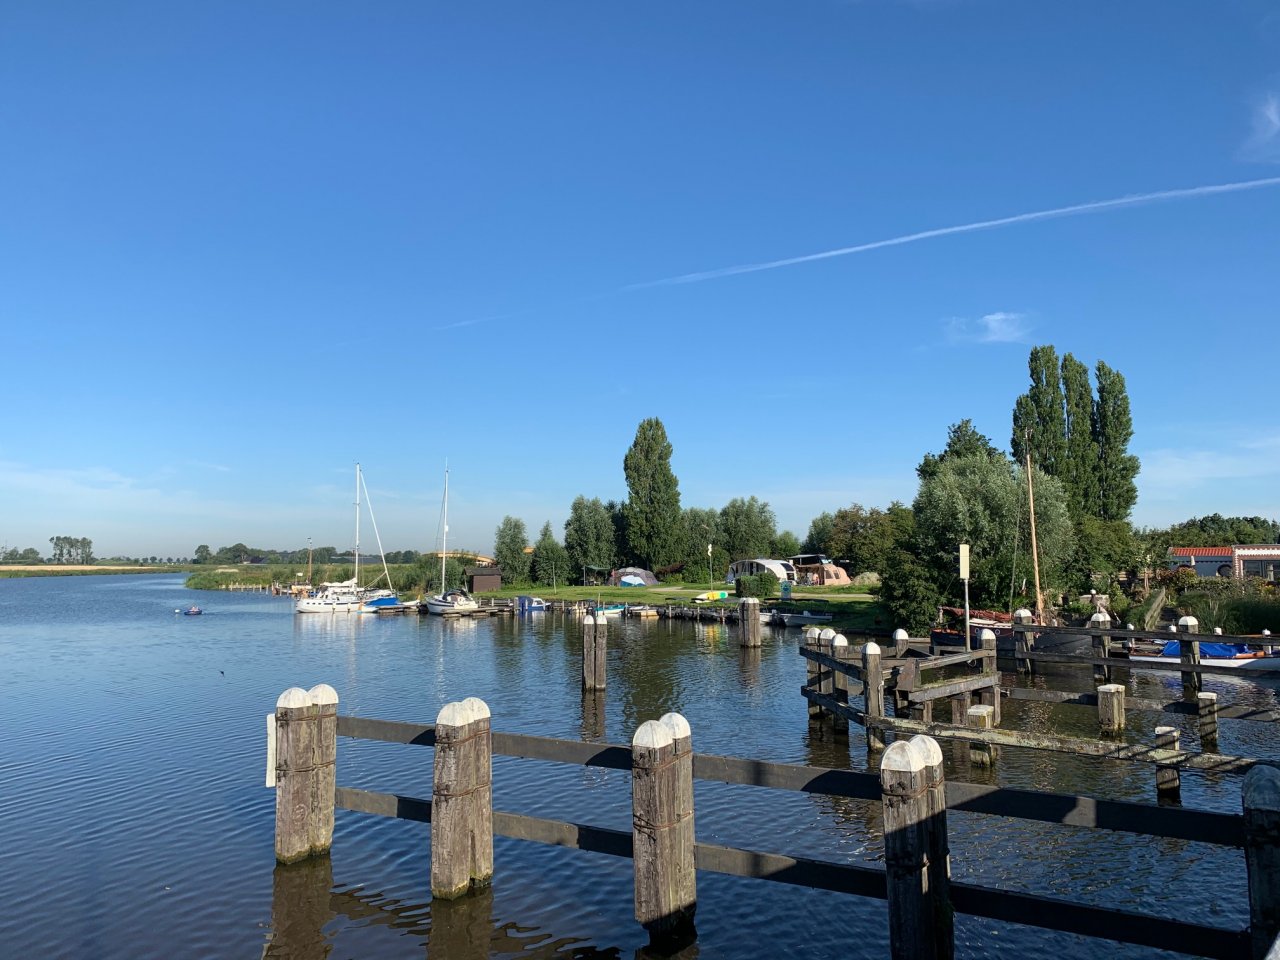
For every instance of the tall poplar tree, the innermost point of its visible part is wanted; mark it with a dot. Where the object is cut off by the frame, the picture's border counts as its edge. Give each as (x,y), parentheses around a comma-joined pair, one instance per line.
(1079,469)
(1039,421)
(652,511)
(508,549)
(1112,430)
(550,561)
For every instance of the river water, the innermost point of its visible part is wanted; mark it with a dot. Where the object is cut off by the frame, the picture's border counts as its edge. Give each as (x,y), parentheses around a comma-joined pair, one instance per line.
(134,821)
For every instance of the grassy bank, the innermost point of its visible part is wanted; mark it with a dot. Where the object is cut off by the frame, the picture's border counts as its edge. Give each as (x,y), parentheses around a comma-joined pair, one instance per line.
(15,571)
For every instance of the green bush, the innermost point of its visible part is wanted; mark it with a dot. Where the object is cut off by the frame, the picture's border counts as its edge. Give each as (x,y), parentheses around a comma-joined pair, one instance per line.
(763,586)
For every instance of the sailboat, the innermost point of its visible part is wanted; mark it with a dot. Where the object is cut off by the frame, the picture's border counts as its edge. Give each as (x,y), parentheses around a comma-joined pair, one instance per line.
(455,602)
(347,596)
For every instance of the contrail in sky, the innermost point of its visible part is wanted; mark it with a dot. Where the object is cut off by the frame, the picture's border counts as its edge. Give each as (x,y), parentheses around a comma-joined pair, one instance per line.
(1071,211)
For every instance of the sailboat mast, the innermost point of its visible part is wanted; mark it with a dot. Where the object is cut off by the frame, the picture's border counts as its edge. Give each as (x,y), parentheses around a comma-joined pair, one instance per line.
(444,529)
(357,523)
(1035,553)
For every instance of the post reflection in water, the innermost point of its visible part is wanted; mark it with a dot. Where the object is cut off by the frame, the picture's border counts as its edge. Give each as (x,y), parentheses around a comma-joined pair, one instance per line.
(461,929)
(299,910)
(749,666)
(593,715)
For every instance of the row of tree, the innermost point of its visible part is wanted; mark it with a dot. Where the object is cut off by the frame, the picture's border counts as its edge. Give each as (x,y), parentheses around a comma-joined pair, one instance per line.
(78,550)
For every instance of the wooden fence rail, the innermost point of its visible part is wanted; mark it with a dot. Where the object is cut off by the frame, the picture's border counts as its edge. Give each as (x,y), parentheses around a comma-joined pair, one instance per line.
(909,787)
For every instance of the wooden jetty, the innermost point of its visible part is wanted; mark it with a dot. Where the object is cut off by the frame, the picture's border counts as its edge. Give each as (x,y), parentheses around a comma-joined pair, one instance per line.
(915,800)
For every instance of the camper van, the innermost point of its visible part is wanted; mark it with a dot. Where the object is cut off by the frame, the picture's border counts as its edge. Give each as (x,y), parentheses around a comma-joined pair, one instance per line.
(815,570)
(781,569)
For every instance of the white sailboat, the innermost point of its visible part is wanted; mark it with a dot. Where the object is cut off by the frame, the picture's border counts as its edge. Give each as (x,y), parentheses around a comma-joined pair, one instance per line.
(456,602)
(347,596)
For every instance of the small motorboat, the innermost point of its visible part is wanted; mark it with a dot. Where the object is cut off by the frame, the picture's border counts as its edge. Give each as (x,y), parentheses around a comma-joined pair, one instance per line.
(191,611)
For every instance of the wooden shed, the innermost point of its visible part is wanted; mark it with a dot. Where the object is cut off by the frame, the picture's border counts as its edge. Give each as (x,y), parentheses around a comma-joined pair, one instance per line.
(483,579)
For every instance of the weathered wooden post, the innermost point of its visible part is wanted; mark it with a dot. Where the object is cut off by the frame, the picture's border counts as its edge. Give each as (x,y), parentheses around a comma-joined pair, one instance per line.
(1099,624)
(990,696)
(813,671)
(901,643)
(873,695)
(913,933)
(1111,709)
(826,681)
(662,829)
(1023,641)
(1207,721)
(840,682)
(324,772)
(749,621)
(462,800)
(295,768)
(938,847)
(1168,780)
(981,754)
(1189,648)
(594,652)
(1261,798)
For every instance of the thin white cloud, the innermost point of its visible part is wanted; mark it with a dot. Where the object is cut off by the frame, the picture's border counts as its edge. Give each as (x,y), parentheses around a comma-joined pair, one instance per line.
(1264,141)
(1096,206)
(999,327)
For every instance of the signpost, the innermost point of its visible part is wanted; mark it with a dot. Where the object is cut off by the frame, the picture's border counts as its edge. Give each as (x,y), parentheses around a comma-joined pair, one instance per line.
(964,576)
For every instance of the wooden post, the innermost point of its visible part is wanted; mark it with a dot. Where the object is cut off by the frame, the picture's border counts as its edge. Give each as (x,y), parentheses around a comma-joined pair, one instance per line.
(1111,709)
(937,847)
(826,683)
(324,774)
(1023,641)
(901,643)
(873,695)
(981,754)
(904,795)
(1099,624)
(1261,797)
(990,696)
(749,621)
(1168,780)
(295,767)
(594,651)
(462,800)
(840,682)
(662,830)
(1189,647)
(1207,721)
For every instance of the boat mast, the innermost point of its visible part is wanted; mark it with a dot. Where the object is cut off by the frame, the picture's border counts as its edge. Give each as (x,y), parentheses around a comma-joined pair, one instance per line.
(444,528)
(1035,553)
(357,523)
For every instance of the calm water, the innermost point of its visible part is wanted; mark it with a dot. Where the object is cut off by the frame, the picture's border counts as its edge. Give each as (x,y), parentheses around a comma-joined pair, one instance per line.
(134,823)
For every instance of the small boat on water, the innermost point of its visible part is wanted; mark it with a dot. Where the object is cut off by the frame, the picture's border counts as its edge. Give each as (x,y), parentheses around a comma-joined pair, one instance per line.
(780,618)
(456,602)
(526,604)
(191,611)
(610,610)
(1236,656)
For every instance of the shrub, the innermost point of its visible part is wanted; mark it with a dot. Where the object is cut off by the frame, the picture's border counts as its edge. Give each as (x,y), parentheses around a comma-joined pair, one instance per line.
(763,586)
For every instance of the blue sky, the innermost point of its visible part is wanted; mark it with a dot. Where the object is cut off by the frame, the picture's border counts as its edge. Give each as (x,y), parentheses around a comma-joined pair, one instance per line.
(243,245)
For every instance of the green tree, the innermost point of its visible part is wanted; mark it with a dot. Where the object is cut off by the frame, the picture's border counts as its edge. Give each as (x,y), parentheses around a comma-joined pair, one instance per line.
(652,511)
(862,538)
(1039,420)
(702,528)
(963,440)
(747,528)
(1113,429)
(509,543)
(588,536)
(1079,472)
(785,544)
(550,559)
(818,540)
(203,554)
(1103,549)
(982,502)
(908,589)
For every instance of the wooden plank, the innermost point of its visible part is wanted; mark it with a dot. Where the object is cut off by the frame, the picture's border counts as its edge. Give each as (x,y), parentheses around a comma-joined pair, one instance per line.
(834,706)
(1047,913)
(387,731)
(1123,816)
(383,804)
(799,871)
(1174,666)
(608,756)
(787,776)
(949,688)
(558,833)
(1115,633)
(956,659)
(1211,762)
(850,668)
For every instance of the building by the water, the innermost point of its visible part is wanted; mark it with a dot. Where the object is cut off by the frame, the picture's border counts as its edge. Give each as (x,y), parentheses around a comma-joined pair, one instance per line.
(1242,560)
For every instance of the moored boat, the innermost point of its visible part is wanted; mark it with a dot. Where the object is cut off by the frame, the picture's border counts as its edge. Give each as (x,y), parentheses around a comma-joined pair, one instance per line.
(456,602)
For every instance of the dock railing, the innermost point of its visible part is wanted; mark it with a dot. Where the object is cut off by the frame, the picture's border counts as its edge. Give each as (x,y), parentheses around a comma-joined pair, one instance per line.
(915,801)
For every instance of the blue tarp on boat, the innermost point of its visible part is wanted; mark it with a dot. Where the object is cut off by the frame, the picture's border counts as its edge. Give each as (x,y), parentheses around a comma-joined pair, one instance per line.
(1223,651)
